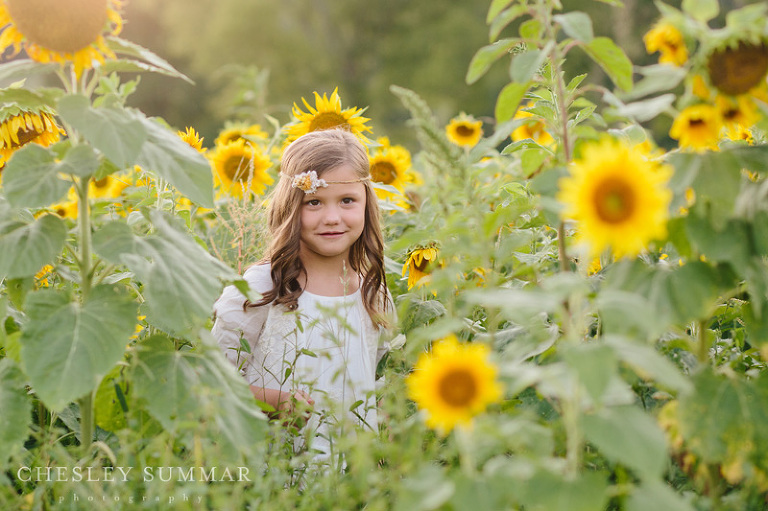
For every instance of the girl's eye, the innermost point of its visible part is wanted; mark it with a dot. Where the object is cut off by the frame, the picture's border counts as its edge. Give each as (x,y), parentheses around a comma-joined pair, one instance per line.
(312,202)
(347,200)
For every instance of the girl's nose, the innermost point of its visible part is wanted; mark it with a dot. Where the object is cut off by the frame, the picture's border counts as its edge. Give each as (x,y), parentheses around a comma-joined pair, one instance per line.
(332,216)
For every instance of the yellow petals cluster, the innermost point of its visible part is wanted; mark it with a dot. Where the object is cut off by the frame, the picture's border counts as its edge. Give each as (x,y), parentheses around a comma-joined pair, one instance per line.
(533,128)
(327,114)
(391,165)
(617,196)
(235,132)
(668,41)
(454,383)
(193,138)
(417,264)
(464,130)
(35,127)
(698,127)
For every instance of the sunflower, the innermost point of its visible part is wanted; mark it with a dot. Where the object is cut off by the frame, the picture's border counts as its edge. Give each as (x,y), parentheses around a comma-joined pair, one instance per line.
(327,114)
(391,165)
(239,167)
(41,277)
(193,138)
(454,383)
(234,132)
(66,208)
(534,129)
(697,127)
(737,112)
(20,126)
(417,264)
(464,130)
(60,30)
(618,197)
(740,133)
(738,69)
(109,187)
(666,39)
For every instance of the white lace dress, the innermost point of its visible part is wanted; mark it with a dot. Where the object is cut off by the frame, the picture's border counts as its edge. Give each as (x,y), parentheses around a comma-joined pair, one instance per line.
(329,348)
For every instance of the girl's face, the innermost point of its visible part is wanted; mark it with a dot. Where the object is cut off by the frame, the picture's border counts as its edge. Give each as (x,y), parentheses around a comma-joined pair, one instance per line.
(333,218)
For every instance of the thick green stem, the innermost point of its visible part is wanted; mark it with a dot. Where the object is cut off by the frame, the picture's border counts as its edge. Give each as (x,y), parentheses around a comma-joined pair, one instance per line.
(84,228)
(84,261)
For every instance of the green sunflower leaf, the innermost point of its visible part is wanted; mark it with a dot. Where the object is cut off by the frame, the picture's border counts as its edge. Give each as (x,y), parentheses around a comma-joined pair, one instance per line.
(612,60)
(16,407)
(654,495)
(111,130)
(702,10)
(67,347)
(200,389)
(109,402)
(628,436)
(501,21)
(495,9)
(725,418)
(525,65)
(168,156)
(16,100)
(181,279)
(576,25)
(131,49)
(553,492)
(486,56)
(22,69)
(26,247)
(30,178)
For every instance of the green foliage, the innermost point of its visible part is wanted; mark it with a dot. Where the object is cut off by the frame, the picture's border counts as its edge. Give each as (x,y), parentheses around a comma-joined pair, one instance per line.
(26,246)
(68,347)
(635,384)
(180,279)
(16,408)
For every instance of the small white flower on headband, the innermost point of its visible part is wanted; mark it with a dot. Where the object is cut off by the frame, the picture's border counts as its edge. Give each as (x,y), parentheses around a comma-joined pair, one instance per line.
(308,182)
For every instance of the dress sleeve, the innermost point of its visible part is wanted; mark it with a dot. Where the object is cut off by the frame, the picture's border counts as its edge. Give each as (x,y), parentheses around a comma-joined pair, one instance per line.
(234,322)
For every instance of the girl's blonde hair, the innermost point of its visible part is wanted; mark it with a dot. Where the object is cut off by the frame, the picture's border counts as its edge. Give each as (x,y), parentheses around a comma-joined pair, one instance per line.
(323,151)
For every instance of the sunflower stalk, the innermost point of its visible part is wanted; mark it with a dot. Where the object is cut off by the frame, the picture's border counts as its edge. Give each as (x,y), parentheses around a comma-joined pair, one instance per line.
(86,274)
(561,98)
(466,455)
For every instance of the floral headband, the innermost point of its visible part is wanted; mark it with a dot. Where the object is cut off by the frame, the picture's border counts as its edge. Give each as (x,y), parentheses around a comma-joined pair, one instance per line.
(308,182)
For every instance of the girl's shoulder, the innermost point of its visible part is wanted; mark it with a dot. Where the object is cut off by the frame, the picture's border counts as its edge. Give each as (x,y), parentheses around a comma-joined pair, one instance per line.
(259,277)
(230,307)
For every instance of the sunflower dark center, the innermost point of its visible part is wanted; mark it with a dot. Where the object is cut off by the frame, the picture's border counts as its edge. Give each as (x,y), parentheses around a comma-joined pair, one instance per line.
(731,114)
(458,388)
(60,25)
(737,70)
(101,183)
(236,168)
(422,266)
(614,201)
(465,131)
(383,172)
(327,120)
(697,123)
(25,137)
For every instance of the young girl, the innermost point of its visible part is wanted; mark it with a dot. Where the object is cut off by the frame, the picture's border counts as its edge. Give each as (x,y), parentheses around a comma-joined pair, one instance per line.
(313,337)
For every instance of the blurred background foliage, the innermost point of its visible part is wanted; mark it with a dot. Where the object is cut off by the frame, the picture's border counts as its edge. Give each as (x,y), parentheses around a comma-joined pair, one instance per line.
(254,57)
